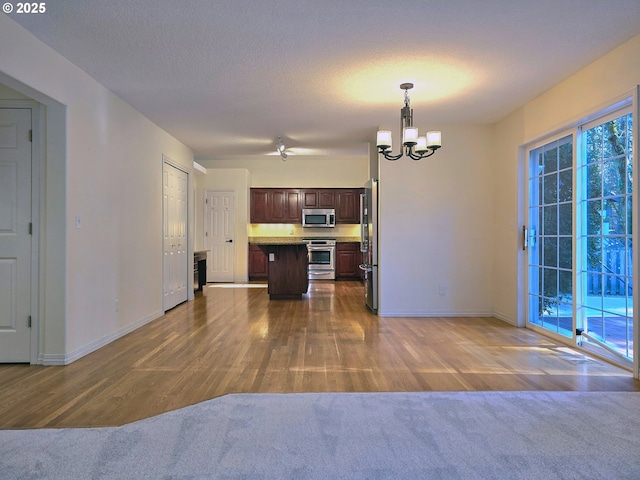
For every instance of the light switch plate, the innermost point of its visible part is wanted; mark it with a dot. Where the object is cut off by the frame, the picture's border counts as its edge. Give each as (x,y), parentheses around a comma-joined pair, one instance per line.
(272,257)
(78,221)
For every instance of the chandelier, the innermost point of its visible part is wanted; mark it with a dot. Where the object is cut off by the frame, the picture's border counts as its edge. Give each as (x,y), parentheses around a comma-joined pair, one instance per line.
(413,146)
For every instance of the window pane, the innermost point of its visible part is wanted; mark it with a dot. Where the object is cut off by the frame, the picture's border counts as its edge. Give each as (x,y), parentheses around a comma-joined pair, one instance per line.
(551,252)
(551,220)
(565,186)
(565,256)
(551,160)
(565,219)
(550,285)
(594,181)
(566,155)
(594,254)
(593,323)
(615,216)
(550,189)
(594,144)
(565,284)
(614,176)
(594,217)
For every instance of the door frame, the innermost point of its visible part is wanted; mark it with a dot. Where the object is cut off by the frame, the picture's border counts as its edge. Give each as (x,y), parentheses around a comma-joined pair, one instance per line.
(189,266)
(37,149)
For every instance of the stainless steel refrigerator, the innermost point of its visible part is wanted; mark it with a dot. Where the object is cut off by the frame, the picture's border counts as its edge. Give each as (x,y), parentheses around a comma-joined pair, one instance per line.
(369,243)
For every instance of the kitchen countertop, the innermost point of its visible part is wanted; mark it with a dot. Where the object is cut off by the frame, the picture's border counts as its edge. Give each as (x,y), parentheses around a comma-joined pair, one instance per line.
(294,240)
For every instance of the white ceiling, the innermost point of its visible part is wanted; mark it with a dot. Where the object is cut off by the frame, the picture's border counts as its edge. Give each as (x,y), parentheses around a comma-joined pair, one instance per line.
(228,77)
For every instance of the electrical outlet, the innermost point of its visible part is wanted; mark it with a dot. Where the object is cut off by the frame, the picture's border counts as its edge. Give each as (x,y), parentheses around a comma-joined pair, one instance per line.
(443,289)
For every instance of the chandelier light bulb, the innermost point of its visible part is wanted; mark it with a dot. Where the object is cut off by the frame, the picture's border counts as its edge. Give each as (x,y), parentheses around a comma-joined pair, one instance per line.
(421,145)
(383,139)
(434,139)
(410,137)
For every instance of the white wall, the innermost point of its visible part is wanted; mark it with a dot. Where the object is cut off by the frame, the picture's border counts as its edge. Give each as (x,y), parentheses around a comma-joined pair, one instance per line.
(299,171)
(599,85)
(103,162)
(7,93)
(506,231)
(436,228)
(235,180)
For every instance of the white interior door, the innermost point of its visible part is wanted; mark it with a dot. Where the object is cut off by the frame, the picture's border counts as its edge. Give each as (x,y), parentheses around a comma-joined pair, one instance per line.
(220,214)
(176,264)
(15,238)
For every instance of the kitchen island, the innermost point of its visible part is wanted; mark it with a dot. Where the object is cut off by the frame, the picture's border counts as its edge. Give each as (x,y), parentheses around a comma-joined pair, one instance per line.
(288,266)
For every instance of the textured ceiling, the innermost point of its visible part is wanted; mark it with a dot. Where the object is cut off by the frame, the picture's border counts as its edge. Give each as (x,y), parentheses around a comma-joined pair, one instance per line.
(228,77)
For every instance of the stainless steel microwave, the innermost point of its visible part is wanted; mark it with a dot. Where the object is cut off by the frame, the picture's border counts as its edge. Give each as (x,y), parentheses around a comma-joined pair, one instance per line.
(318,217)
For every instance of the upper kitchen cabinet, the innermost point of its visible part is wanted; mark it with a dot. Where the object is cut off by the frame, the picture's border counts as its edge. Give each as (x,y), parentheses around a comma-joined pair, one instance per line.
(318,198)
(275,205)
(259,205)
(284,205)
(348,205)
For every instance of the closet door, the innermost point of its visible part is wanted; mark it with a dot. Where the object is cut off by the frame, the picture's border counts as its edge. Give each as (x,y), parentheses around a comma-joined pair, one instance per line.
(176,264)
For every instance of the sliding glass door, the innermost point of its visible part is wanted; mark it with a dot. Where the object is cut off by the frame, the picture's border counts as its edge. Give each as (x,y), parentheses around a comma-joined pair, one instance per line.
(579,236)
(606,312)
(550,236)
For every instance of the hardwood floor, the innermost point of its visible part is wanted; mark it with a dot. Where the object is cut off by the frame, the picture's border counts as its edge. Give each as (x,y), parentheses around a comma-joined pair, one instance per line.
(235,340)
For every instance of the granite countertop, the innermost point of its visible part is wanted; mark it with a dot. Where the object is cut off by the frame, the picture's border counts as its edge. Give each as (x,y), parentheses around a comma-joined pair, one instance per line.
(276,240)
(293,240)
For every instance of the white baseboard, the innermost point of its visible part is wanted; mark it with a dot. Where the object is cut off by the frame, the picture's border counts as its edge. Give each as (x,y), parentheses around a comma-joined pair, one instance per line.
(65,359)
(505,318)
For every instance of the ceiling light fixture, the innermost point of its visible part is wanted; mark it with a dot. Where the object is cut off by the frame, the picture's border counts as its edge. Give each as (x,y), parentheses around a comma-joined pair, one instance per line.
(280,149)
(414,146)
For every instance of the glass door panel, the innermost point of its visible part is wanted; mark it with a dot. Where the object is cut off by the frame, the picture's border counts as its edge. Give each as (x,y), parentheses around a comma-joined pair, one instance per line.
(607,306)
(551,237)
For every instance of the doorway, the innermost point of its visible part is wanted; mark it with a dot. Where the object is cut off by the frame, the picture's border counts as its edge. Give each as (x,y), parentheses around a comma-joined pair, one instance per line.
(16,235)
(579,236)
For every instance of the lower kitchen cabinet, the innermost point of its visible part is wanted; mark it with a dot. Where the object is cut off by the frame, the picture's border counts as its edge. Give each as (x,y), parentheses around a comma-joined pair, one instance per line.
(258,264)
(348,258)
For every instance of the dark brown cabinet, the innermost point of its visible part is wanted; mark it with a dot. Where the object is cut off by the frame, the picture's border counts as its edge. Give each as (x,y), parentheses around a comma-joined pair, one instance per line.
(348,258)
(258,264)
(318,198)
(284,205)
(348,205)
(275,205)
(288,270)
(259,208)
